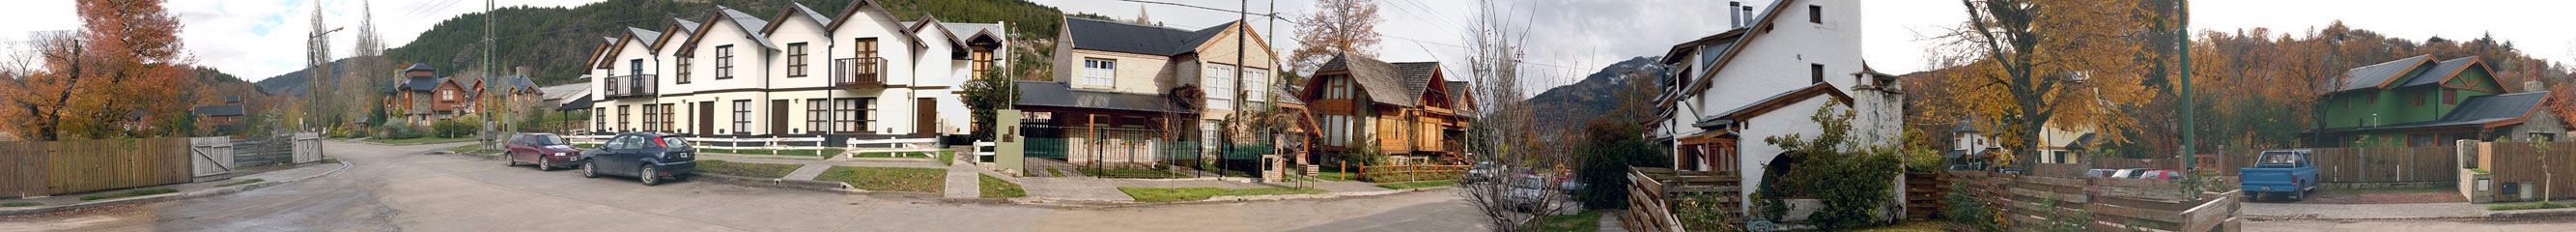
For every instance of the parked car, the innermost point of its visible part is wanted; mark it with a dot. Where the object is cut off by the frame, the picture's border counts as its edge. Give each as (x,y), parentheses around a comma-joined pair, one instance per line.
(2161,174)
(649,157)
(1528,193)
(2099,172)
(1482,171)
(546,151)
(2279,172)
(2131,173)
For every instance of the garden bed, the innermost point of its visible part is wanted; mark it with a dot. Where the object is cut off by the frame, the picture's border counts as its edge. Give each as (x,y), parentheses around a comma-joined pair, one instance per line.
(924,180)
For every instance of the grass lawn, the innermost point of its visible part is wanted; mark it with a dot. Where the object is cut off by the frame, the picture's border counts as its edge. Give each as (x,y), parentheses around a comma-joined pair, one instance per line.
(1417,184)
(586,146)
(420,140)
(926,180)
(1331,175)
(1058,173)
(20,204)
(2534,205)
(143,192)
(947,158)
(1586,221)
(755,170)
(992,187)
(1203,193)
(883,154)
(242,182)
(806,153)
(1130,173)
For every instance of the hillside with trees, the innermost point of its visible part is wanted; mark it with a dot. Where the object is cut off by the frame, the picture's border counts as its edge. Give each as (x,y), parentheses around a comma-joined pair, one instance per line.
(552,41)
(2254,85)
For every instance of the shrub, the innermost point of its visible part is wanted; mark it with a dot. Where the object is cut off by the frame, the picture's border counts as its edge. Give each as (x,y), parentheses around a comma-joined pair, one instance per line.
(1604,171)
(1851,180)
(452,128)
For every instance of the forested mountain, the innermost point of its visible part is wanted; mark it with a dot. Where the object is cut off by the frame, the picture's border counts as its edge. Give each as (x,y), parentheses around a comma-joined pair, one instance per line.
(554,40)
(1598,95)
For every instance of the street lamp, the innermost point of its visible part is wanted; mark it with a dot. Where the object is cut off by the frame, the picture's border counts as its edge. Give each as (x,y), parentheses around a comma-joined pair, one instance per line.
(313,78)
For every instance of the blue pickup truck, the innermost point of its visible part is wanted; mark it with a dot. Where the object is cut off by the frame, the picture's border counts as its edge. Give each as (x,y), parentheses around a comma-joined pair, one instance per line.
(2279,172)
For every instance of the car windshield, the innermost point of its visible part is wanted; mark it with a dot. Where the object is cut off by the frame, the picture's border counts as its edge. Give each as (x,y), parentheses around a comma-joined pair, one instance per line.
(547,140)
(675,142)
(2282,158)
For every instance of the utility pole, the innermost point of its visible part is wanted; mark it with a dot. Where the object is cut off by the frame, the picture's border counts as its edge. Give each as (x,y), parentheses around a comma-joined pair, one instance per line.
(2182,43)
(486,94)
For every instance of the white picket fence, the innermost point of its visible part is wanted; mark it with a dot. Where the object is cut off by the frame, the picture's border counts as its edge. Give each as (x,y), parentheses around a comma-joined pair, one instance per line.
(983,151)
(926,145)
(728,143)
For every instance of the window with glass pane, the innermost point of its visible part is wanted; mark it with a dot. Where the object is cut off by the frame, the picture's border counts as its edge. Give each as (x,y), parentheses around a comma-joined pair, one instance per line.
(683,69)
(1099,72)
(818,115)
(1218,81)
(796,60)
(741,116)
(724,62)
(1258,80)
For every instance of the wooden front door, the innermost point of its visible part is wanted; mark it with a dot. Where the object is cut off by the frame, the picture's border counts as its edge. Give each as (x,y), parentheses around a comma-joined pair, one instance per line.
(706,117)
(925,118)
(778,117)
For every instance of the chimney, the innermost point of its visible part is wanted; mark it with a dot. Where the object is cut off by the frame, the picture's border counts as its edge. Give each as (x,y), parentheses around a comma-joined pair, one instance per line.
(1748,16)
(2532,86)
(521,71)
(1734,19)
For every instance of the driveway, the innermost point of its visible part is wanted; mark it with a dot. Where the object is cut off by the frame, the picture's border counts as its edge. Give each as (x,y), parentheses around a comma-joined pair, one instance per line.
(2529,224)
(399,188)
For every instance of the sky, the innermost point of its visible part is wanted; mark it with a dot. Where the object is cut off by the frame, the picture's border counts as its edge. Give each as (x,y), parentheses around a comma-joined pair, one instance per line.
(261,38)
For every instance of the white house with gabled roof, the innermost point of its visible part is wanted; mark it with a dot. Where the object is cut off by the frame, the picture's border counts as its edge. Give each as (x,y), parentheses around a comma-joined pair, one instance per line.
(802,72)
(1766,76)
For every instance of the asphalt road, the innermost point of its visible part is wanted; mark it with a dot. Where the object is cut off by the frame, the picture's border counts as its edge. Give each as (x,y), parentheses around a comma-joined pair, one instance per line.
(2520,224)
(394,188)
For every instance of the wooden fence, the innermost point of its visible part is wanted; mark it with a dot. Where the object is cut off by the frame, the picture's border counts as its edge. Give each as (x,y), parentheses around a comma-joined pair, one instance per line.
(1409,173)
(62,167)
(2527,165)
(2101,204)
(2364,165)
(1652,191)
(1923,192)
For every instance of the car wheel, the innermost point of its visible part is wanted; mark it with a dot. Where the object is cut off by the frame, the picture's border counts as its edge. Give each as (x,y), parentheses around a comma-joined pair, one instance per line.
(2298,195)
(509,161)
(589,171)
(648,176)
(543,165)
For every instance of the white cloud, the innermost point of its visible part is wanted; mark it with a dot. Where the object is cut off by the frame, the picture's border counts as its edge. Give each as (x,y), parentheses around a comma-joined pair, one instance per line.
(257,39)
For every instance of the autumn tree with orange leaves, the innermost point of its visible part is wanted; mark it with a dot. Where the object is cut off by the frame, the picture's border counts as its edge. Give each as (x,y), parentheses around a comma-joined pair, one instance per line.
(125,58)
(2030,65)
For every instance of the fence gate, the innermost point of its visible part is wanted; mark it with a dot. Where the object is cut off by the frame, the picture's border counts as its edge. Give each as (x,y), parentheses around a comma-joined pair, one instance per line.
(308,147)
(210,155)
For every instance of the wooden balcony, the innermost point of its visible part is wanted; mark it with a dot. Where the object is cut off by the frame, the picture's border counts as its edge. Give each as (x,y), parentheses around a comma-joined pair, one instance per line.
(629,86)
(859,73)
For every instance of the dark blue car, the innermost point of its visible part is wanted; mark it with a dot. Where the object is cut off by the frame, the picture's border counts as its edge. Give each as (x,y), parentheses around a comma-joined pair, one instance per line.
(649,157)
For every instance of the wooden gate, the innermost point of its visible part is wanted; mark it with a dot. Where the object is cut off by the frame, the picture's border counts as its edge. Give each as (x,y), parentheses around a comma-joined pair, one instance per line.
(308,147)
(211,155)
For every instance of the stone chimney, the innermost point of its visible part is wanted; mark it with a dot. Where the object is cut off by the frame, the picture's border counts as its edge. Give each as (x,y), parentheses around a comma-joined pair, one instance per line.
(521,71)
(2533,86)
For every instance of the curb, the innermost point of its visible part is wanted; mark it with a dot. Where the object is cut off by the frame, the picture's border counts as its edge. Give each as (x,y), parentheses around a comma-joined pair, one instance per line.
(2533,214)
(816,185)
(915,160)
(344,165)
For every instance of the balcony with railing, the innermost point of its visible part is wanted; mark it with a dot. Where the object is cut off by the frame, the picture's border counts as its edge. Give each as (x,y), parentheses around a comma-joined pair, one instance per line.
(629,86)
(859,73)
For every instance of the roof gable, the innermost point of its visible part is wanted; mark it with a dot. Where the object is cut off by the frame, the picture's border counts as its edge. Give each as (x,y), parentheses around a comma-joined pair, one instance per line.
(749,24)
(795,10)
(633,37)
(680,28)
(1749,34)
(1383,82)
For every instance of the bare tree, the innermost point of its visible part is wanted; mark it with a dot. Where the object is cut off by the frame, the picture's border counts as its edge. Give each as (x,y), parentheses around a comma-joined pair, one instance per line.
(1502,133)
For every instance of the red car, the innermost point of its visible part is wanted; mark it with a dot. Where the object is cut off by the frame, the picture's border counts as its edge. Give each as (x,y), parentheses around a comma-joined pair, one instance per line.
(547,151)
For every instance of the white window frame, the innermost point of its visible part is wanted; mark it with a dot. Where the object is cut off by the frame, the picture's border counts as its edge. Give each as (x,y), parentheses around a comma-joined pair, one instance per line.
(1260,79)
(1218,81)
(1099,73)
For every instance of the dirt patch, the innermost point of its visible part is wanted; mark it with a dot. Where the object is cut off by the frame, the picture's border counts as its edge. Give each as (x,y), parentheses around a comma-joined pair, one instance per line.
(2385,196)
